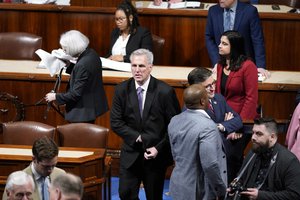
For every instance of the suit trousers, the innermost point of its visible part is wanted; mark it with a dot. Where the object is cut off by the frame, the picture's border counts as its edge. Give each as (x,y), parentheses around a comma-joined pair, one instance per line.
(142,171)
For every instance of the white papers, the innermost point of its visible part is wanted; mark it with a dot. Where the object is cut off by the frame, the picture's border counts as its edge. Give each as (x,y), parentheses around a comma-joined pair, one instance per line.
(49,61)
(185,4)
(163,5)
(57,2)
(119,66)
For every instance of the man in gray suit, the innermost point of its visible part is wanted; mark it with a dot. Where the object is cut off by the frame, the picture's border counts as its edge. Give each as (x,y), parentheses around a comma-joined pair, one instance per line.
(200,163)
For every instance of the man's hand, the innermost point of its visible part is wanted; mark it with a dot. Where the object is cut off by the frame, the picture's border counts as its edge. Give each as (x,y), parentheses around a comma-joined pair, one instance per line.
(234,136)
(228,116)
(150,153)
(264,72)
(251,193)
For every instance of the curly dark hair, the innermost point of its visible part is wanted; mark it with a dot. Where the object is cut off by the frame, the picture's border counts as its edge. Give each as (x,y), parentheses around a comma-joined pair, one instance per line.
(127,7)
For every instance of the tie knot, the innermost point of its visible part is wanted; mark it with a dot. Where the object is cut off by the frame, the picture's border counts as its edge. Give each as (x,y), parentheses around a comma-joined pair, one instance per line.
(140,89)
(228,10)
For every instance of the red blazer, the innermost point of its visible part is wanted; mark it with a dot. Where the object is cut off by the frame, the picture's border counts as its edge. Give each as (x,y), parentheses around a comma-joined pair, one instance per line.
(241,91)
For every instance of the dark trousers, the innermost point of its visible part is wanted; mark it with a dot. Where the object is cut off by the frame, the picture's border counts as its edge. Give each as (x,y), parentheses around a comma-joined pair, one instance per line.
(143,171)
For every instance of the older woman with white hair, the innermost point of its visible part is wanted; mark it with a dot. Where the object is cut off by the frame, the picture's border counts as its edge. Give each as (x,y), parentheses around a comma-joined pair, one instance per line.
(85,97)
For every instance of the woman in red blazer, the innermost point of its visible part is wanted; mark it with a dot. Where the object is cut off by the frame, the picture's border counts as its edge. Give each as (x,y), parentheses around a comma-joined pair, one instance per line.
(237,81)
(237,78)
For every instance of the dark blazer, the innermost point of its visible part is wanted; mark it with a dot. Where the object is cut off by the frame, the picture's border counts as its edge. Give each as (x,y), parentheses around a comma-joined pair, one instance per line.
(85,98)
(160,106)
(241,90)
(221,107)
(283,181)
(140,39)
(247,23)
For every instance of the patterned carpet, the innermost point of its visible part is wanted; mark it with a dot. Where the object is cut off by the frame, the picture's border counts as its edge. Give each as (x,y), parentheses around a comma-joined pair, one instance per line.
(115,185)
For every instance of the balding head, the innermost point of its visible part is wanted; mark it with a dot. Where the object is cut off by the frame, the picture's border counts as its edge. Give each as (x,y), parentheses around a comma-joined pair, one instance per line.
(195,97)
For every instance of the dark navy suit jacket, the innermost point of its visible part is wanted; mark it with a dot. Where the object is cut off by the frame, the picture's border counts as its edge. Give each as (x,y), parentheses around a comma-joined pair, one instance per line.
(247,23)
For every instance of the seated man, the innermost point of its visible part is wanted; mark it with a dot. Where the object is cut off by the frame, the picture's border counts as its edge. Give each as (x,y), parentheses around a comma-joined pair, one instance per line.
(269,171)
(42,168)
(227,120)
(66,186)
(19,185)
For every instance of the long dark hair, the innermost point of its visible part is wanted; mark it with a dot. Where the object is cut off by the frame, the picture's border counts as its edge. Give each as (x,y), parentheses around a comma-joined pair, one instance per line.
(129,9)
(237,51)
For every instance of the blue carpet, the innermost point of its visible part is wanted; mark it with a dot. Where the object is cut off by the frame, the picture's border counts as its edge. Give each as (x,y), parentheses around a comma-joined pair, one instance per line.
(142,196)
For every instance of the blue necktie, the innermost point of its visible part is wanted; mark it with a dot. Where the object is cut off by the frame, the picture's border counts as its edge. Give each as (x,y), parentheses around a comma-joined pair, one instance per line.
(45,192)
(227,22)
(140,99)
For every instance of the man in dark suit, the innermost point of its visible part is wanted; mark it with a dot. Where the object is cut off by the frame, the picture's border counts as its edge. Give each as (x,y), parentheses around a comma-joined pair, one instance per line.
(269,171)
(227,120)
(239,16)
(141,111)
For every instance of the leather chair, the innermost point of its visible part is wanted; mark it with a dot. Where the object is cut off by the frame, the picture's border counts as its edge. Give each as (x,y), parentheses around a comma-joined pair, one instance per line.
(158,44)
(291,3)
(19,45)
(26,132)
(87,135)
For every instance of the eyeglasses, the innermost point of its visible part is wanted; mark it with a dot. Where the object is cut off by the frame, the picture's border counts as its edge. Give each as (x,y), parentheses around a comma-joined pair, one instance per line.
(120,19)
(213,84)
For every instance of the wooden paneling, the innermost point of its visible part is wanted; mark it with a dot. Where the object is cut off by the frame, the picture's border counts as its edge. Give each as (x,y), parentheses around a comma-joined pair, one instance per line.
(183,31)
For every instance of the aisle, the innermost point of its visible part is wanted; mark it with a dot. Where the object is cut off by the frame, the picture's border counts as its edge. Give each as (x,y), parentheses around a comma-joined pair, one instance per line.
(115,195)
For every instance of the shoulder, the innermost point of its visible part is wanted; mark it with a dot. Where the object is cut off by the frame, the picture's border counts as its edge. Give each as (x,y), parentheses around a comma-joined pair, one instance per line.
(247,7)
(220,98)
(125,84)
(57,171)
(160,85)
(215,8)
(249,65)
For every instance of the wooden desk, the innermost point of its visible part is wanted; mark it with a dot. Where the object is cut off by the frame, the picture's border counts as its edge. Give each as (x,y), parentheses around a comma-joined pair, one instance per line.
(87,163)
(182,29)
(22,79)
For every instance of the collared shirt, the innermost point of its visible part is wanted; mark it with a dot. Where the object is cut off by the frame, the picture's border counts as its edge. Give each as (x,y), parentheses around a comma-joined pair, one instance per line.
(38,179)
(119,47)
(145,88)
(232,15)
(201,111)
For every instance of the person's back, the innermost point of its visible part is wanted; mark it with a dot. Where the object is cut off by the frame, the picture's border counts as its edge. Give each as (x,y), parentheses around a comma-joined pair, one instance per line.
(200,162)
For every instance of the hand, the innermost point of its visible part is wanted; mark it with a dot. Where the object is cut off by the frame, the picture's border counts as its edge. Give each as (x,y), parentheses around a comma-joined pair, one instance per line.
(251,193)
(234,136)
(51,96)
(221,127)
(150,153)
(157,2)
(119,58)
(264,72)
(228,116)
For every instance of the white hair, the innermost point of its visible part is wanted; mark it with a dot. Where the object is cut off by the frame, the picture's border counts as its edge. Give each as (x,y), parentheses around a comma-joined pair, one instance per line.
(18,178)
(143,52)
(74,42)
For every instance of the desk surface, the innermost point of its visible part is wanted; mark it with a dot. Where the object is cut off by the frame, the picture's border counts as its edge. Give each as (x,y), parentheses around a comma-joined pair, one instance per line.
(66,154)
(173,75)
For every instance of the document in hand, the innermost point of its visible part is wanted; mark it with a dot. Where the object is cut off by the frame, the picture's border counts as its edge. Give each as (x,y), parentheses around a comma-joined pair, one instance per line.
(118,66)
(185,4)
(50,62)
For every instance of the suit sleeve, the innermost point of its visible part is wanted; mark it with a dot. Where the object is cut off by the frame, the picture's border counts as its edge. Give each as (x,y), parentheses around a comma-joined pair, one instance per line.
(257,39)
(250,80)
(208,151)
(210,40)
(75,92)
(233,124)
(172,108)
(145,42)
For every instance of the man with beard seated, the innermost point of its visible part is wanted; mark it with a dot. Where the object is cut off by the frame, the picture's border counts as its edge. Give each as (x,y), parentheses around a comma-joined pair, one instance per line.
(269,171)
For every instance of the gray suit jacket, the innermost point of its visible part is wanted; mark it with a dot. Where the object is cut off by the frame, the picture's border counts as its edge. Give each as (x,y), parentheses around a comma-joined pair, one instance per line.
(55,173)
(200,163)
